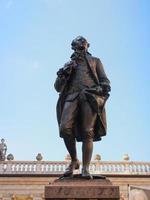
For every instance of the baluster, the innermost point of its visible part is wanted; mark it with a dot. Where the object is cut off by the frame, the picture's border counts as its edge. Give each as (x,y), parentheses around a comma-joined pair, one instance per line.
(57,167)
(134,168)
(145,169)
(142,169)
(116,168)
(48,167)
(28,167)
(111,168)
(103,168)
(130,168)
(149,168)
(98,166)
(16,168)
(38,166)
(61,167)
(66,165)
(9,167)
(43,167)
(127,167)
(4,167)
(93,168)
(23,167)
(123,168)
(1,167)
(53,168)
(137,169)
(19,167)
(12,168)
(119,168)
(32,167)
(107,168)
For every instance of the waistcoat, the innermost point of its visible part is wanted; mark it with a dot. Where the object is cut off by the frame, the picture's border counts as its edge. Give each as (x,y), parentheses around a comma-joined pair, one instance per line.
(81,78)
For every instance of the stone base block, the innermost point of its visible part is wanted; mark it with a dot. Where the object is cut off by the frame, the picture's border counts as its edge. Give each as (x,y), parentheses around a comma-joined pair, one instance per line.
(98,189)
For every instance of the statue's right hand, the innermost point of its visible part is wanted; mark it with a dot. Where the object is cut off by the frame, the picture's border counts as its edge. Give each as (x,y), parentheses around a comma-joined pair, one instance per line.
(70,64)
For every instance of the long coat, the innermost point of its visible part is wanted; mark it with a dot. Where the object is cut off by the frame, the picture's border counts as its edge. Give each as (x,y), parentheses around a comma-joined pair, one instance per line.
(100,78)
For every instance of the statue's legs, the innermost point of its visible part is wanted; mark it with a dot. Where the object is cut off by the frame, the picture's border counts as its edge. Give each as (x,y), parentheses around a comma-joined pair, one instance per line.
(87,150)
(88,118)
(88,122)
(70,144)
(67,121)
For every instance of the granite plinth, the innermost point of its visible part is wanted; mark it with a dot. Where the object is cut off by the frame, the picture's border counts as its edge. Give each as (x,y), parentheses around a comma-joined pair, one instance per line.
(70,189)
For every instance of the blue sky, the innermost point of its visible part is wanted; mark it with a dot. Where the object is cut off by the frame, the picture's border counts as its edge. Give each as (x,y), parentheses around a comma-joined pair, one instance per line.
(35,37)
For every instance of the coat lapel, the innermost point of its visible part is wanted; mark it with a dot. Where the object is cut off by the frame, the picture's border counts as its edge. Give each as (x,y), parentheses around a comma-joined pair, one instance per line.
(90,64)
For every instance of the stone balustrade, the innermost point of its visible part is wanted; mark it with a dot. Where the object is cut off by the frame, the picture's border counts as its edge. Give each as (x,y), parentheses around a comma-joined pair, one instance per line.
(58,167)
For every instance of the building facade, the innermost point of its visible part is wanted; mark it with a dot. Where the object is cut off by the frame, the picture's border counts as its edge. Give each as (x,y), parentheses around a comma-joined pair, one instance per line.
(25,180)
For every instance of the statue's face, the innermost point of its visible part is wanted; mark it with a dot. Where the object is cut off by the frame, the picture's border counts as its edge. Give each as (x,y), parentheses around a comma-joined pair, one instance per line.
(2,140)
(80,44)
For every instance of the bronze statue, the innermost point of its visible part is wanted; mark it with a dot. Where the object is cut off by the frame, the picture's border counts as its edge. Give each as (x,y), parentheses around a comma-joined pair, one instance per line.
(3,149)
(84,89)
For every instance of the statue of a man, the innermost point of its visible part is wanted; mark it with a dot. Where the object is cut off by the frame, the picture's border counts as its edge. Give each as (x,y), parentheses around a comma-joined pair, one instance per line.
(84,89)
(3,149)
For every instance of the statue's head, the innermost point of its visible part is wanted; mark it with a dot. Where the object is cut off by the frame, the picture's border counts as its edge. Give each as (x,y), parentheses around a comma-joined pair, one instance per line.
(2,140)
(80,44)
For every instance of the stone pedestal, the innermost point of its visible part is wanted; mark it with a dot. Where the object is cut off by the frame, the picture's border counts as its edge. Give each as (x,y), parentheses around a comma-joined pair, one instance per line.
(70,189)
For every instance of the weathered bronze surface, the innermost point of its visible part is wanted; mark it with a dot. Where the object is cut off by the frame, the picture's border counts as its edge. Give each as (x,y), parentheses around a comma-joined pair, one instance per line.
(84,89)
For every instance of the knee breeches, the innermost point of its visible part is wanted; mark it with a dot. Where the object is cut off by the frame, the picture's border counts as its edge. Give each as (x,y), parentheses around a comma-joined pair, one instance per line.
(81,111)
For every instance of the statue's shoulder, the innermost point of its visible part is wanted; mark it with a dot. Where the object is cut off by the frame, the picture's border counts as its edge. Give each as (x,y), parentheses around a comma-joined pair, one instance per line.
(93,57)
